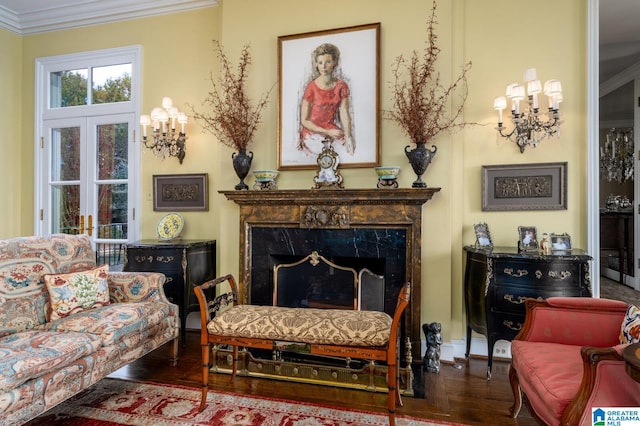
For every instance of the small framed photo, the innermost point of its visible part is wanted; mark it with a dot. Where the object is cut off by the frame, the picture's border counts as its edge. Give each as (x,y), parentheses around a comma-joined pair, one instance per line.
(560,242)
(187,192)
(527,238)
(483,238)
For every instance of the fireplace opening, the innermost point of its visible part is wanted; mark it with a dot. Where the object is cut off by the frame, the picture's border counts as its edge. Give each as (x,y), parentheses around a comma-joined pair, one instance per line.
(379,255)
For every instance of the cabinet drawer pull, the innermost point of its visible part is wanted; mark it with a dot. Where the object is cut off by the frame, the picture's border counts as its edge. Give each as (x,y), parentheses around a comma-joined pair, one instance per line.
(519,273)
(509,324)
(518,301)
(163,259)
(560,275)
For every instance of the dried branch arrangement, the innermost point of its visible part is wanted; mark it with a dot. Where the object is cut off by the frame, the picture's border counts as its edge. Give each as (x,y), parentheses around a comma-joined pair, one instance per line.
(419,98)
(232,118)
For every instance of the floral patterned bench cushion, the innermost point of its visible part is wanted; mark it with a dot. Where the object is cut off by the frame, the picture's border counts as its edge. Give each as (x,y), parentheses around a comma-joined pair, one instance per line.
(33,353)
(304,325)
(116,321)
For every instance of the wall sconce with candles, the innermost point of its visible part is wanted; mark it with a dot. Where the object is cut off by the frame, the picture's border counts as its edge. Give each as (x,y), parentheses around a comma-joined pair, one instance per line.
(528,126)
(166,140)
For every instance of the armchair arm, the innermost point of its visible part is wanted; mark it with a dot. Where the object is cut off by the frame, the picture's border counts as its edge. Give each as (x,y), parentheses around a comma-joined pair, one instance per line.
(579,321)
(605,383)
(133,287)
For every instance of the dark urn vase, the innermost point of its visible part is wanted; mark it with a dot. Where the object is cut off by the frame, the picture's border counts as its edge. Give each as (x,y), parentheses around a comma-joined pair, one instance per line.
(242,164)
(420,157)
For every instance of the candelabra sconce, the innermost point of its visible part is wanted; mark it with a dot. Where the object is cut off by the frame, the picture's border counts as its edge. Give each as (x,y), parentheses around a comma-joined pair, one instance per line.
(166,140)
(616,155)
(529,126)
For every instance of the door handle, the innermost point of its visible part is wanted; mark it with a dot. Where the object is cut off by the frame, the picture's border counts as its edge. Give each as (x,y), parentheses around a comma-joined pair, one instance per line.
(81,228)
(90,227)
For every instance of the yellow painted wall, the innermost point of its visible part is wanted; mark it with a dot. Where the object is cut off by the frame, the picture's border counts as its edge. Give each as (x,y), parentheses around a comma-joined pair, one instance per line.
(495,35)
(11,186)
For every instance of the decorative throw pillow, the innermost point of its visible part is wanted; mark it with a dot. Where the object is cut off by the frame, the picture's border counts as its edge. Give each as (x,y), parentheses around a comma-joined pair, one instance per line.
(630,331)
(77,291)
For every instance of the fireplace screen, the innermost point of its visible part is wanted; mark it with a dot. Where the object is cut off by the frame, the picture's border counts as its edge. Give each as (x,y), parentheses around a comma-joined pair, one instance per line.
(316,282)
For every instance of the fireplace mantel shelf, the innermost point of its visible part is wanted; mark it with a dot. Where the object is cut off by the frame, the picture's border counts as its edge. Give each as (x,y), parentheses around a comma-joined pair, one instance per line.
(332,196)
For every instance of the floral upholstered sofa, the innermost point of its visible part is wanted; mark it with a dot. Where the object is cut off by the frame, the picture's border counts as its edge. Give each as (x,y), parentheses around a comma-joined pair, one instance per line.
(66,323)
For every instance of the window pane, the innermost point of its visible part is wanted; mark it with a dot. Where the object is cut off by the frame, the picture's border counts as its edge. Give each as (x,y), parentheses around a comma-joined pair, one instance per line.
(112,211)
(112,151)
(65,154)
(68,88)
(65,206)
(111,84)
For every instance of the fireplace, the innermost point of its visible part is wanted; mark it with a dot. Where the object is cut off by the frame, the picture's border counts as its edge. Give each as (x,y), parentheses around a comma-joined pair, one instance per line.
(378,230)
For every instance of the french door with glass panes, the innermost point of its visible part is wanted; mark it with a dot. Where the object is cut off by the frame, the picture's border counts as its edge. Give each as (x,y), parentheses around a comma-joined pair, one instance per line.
(87,184)
(86,160)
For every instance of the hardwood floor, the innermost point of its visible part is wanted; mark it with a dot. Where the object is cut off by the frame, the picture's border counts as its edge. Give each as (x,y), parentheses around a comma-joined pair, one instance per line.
(459,393)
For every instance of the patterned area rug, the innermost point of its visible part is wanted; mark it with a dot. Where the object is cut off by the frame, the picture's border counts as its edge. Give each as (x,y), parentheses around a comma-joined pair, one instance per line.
(113,402)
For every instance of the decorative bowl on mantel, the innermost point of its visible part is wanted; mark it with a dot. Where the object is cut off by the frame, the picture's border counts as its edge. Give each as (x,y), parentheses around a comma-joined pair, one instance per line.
(265,175)
(387,173)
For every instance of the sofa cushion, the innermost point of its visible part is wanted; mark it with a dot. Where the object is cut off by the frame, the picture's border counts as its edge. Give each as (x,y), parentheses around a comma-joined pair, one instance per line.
(630,330)
(115,322)
(77,291)
(33,353)
(551,385)
(21,293)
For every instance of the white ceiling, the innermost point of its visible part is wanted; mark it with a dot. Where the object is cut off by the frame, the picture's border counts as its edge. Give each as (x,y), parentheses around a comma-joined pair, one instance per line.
(37,16)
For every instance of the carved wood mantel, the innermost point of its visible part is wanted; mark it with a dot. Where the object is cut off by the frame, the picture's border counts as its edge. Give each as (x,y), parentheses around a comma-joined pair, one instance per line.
(339,209)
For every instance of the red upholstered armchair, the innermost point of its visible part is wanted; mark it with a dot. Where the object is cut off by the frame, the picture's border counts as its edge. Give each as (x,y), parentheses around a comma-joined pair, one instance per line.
(567,359)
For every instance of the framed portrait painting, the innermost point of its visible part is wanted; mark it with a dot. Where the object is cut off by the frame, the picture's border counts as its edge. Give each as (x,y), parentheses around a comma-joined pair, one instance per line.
(329,88)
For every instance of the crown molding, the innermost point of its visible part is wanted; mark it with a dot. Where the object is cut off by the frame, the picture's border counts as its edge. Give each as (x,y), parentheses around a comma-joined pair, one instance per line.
(92,12)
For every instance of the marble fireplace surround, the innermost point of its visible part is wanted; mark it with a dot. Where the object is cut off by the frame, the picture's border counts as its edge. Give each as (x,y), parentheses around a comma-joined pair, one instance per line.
(332,215)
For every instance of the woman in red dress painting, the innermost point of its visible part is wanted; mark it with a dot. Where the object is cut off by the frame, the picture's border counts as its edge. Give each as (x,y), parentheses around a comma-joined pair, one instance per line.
(324,111)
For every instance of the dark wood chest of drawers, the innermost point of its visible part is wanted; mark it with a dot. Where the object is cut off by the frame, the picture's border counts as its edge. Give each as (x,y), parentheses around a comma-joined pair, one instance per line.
(185,263)
(498,281)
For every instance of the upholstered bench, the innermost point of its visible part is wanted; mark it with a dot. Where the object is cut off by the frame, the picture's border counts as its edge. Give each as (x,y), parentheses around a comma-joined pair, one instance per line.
(369,335)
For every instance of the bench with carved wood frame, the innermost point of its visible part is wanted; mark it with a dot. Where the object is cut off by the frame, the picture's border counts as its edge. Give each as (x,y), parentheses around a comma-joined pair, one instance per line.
(369,335)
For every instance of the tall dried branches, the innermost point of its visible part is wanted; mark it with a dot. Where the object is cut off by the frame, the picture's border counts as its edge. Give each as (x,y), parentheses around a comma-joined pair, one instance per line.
(419,98)
(232,118)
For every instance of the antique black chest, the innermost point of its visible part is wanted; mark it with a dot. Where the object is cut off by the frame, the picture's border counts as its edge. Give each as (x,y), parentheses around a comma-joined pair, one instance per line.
(185,263)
